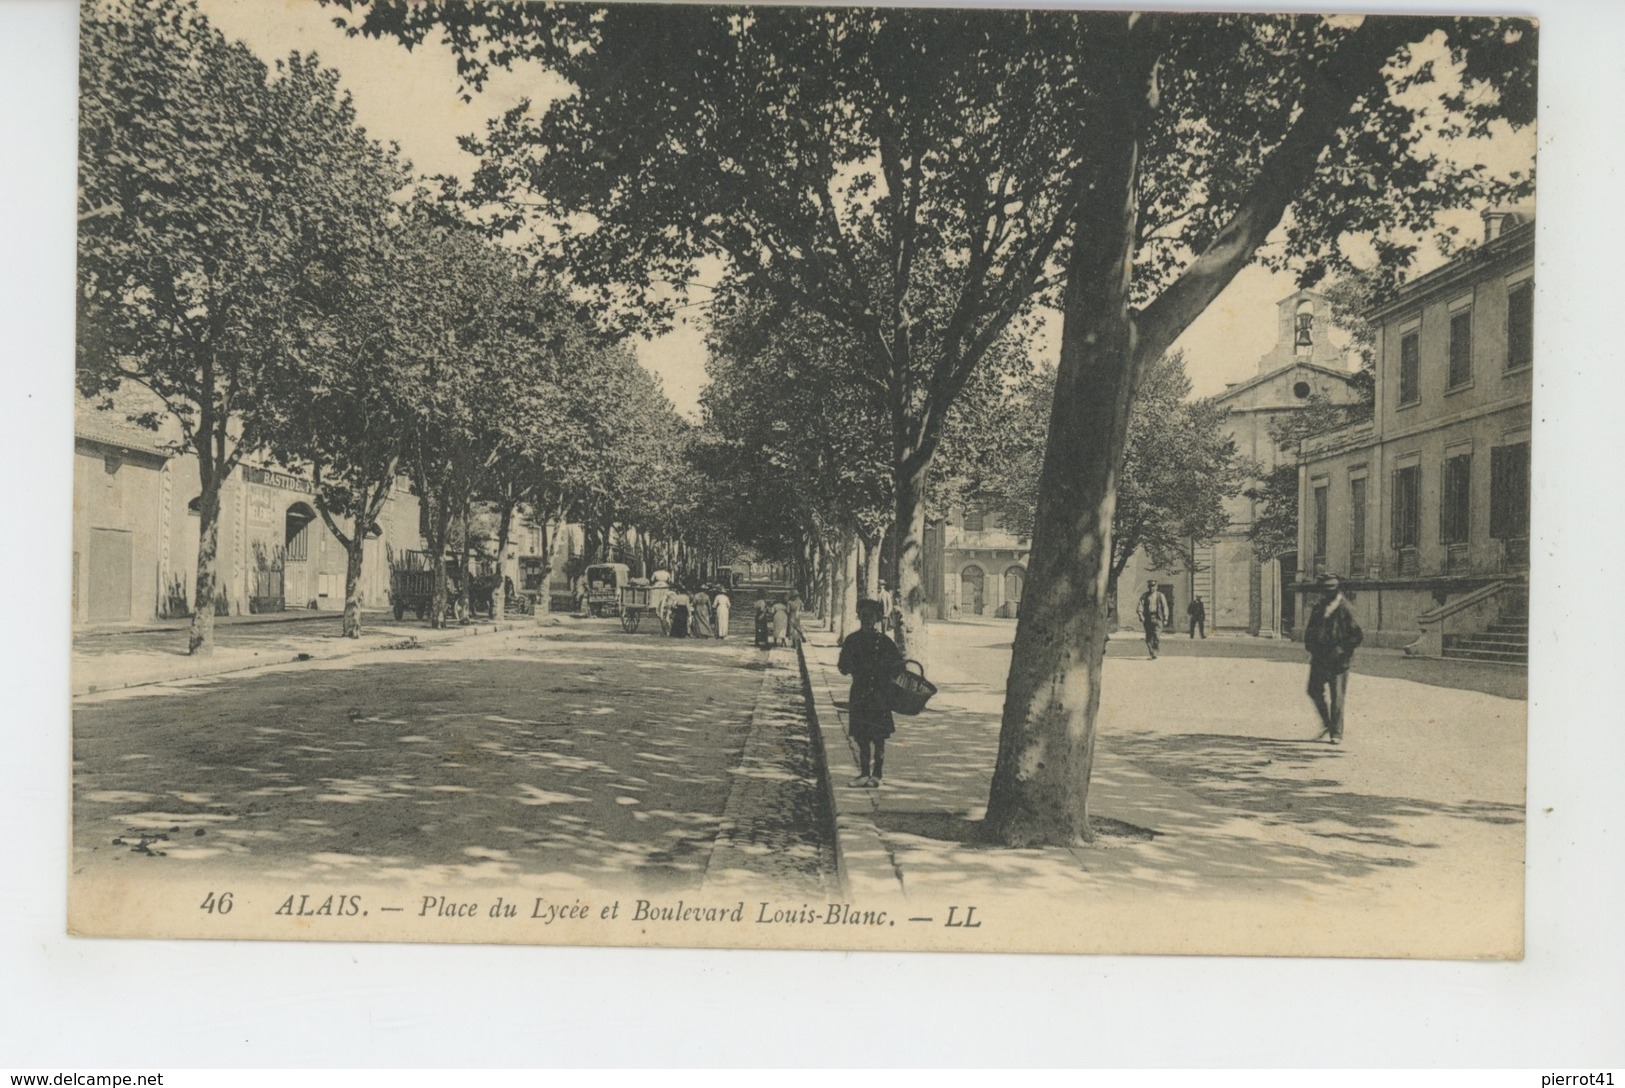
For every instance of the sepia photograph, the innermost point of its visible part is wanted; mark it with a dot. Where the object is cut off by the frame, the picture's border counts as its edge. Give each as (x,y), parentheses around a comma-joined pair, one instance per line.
(803,477)
(954,536)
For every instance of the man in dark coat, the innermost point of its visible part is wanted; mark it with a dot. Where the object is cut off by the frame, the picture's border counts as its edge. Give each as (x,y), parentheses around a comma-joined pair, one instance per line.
(1331,636)
(872,660)
(1197,611)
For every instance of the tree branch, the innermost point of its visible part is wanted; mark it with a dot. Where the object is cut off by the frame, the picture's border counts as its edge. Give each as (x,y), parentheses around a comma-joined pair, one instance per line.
(1354,70)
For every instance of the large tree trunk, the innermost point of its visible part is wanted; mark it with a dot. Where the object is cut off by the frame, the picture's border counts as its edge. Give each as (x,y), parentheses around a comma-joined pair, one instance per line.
(908,531)
(465,565)
(499,594)
(200,638)
(544,597)
(1046,742)
(1047,736)
(870,585)
(352,583)
(435,539)
(846,618)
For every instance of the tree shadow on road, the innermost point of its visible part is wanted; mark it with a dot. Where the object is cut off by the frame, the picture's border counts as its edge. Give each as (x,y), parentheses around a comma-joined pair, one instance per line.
(589,760)
(1175,812)
(1288,782)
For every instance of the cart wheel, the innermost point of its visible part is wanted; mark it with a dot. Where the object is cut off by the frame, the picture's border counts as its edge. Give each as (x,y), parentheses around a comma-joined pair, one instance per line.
(629,621)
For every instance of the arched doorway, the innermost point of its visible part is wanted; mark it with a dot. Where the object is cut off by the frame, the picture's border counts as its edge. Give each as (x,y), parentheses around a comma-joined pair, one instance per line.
(971,585)
(1015,580)
(296,553)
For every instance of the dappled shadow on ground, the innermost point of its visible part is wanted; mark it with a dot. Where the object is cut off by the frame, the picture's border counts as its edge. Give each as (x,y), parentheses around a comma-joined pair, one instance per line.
(589,758)
(777,825)
(1289,782)
(1178,812)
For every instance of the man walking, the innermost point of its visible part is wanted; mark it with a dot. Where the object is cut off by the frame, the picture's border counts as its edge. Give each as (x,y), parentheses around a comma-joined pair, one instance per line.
(1152,611)
(1331,636)
(1197,612)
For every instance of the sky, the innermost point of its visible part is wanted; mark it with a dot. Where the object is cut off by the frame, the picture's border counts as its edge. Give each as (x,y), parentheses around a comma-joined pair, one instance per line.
(409,98)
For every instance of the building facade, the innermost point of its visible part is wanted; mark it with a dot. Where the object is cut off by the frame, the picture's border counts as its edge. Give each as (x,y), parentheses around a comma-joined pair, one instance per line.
(1425,510)
(136,524)
(1241,592)
(973,566)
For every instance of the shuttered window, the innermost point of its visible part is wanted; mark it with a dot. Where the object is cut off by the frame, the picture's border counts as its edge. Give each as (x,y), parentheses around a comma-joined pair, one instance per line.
(1461,349)
(1455,500)
(1521,326)
(1407,526)
(1410,369)
(1509,491)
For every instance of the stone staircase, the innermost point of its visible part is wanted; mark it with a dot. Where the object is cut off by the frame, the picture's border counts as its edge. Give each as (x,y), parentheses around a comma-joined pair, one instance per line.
(1505,641)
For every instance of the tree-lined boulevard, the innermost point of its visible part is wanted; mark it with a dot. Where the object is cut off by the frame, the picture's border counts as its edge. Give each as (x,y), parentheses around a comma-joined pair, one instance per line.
(892,196)
(572,759)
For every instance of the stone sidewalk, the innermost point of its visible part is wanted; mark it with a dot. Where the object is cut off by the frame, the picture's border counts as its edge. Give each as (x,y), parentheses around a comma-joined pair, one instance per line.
(1221,826)
(110,667)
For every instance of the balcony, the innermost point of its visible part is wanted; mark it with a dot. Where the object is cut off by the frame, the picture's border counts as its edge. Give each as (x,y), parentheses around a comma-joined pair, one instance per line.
(983,539)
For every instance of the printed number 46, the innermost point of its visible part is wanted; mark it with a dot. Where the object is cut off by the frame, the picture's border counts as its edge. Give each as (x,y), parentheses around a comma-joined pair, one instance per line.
(216,904)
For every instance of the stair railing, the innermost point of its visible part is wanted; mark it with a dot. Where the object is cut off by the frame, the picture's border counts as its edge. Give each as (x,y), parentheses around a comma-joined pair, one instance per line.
(1467,614)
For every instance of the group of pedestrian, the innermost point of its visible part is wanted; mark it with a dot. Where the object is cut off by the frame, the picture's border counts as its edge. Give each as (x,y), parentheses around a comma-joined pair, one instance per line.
(701,614)
(778,623)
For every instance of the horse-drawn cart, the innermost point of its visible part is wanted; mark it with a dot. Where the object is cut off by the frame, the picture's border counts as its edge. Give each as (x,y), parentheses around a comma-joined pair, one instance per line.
(411,589)
(640,601)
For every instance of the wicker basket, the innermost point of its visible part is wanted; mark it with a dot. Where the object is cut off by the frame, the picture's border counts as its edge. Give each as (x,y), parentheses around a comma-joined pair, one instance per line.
(910,691)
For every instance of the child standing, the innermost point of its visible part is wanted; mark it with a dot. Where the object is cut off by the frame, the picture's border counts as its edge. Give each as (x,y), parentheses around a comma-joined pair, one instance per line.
(872,660)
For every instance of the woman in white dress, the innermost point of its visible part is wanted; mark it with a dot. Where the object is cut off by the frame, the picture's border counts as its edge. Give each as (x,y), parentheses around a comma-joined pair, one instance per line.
(719,608)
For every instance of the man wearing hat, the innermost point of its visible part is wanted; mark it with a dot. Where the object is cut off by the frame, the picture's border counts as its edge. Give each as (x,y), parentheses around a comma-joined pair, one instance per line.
(1330,636)
(1152,611)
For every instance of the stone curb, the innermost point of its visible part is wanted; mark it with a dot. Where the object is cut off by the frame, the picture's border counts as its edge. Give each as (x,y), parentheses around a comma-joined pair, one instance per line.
(779,706)
(202,671)
(299,615)
(868,870)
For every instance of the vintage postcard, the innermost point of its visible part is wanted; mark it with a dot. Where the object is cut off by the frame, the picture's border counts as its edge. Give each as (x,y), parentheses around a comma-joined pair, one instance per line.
(803,477)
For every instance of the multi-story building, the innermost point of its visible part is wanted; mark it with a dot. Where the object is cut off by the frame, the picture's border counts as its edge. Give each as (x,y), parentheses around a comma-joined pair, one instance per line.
(1425,509)
(135,530)
(973,565)
(1241,592)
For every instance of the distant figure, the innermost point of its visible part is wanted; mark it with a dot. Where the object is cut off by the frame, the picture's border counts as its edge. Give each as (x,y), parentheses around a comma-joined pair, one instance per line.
(1197,611)
(872,660)
(764,621)
(797,635)
(1331,636)
(781,624)
(679,613)
(719,608)
(885,599)
(700,614)
(1152,611)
